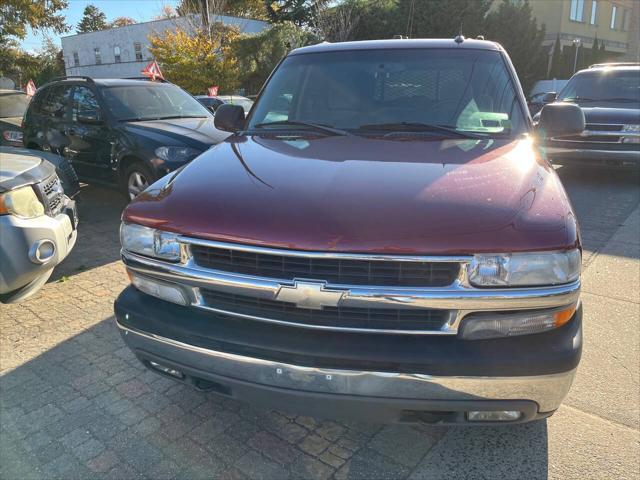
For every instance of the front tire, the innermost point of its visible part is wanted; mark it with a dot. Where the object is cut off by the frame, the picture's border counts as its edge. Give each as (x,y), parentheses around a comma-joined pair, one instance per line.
(137,177)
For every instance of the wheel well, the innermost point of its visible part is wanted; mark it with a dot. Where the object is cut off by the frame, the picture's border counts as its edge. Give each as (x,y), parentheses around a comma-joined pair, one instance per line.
(124,163)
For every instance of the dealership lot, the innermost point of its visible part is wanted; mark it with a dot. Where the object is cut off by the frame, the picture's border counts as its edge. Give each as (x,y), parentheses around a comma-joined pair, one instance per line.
(76,403)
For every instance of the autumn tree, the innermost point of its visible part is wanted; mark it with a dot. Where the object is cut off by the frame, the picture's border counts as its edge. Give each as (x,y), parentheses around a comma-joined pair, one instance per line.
(198,59)
(259,54)
(122,22)
(17,15)
(93,19)
(299,12)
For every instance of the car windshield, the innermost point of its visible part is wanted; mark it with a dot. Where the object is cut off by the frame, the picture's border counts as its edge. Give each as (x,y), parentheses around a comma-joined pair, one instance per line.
(607,85)
(151,102)
(245,103)
(395,90)
(13,104)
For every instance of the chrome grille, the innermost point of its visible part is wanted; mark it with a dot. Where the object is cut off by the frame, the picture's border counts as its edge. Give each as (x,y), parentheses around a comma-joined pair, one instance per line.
(333,270)
(329,317)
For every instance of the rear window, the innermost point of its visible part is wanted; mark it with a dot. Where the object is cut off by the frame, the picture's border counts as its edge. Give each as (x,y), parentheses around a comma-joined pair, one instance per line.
(13,104)
(54,101)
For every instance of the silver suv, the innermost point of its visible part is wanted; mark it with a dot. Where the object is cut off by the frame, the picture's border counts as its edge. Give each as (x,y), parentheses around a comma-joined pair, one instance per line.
(37,222)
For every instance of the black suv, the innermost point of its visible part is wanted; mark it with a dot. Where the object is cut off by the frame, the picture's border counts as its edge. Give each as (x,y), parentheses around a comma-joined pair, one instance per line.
(609,96)
(118,131)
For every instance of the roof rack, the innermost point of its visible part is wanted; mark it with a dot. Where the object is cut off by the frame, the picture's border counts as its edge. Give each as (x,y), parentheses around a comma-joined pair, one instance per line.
(65,77)
(615,64)
(148,79)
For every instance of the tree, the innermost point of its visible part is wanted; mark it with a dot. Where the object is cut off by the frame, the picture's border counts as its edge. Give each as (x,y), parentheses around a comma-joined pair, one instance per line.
(556,60)
(93,19)
(166,12)
(336,24)
(514,26)
(197,60)
(122,22)
(42,66)
(237,8)
(17,15)
(259,54)
(299,12)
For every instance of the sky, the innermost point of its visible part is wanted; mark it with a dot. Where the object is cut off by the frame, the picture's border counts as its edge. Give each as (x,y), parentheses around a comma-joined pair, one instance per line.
(139,10)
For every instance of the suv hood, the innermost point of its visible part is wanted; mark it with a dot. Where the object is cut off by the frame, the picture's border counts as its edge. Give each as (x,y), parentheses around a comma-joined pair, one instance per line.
(354,194)
(195,132)
(20,167)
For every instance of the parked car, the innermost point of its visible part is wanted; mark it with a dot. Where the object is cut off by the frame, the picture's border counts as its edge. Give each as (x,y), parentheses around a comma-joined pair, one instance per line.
(118,131)
(38,223)
(212,103)
(395,249)
(609,95)
(13,104)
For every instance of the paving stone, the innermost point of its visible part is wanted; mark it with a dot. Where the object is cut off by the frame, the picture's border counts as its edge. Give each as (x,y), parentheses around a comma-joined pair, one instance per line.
(103,462)
(257,467)
(405,444)
(367,464)
(88,450)
(313,444)
(307,467)
(272,447)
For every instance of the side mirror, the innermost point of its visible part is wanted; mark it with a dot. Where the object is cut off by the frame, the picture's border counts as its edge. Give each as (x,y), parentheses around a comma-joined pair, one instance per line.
(229,118)
(90,118)
(549,97)
(558,119)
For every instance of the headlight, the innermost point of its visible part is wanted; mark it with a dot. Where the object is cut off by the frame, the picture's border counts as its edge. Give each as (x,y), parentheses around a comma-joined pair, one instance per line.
(149,242)
(177,154)
(631,128)
(22,202)
(524,269)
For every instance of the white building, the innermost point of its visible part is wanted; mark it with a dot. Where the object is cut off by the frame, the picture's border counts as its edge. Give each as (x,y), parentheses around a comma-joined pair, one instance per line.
(123,51)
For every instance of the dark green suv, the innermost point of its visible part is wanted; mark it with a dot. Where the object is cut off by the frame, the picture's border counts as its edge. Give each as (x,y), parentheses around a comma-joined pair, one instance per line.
(117,131)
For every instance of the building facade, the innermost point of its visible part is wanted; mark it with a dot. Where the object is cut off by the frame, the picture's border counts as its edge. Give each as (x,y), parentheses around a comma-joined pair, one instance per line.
(612,22)
(123,52)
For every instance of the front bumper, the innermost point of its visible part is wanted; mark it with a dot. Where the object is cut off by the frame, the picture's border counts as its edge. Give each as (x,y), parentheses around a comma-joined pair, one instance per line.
(19,239)
(357,376)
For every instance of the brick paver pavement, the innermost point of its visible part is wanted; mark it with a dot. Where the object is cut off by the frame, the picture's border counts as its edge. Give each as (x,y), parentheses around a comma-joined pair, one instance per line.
(75,403)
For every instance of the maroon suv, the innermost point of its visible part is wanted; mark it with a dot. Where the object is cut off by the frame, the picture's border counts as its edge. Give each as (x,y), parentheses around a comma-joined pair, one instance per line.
(380,239)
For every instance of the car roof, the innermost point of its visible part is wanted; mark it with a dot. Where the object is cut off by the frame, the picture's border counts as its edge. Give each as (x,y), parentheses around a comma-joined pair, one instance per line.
(399,44)
(109,82)
(607,68)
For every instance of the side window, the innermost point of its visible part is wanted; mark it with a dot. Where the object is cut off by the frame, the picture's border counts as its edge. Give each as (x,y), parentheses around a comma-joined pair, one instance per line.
(55,102)
(85,105)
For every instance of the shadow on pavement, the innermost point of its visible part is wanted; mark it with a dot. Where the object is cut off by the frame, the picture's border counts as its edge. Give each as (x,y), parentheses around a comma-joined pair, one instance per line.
(99,209)
(87,408)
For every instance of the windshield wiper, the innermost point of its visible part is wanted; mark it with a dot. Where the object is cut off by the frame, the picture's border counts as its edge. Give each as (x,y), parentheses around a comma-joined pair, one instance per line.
(419,127)
(579,99)
(296,123)
(620,99)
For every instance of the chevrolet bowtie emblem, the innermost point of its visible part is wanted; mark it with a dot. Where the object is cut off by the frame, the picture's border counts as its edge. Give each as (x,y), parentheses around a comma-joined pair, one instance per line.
(309,295)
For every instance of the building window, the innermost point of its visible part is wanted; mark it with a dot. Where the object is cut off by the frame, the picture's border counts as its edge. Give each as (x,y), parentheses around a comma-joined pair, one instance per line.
(594,12)
(76,59)
(116,54)
(577,8)
(614,10)
(138,49)
(625,20)
(96,52)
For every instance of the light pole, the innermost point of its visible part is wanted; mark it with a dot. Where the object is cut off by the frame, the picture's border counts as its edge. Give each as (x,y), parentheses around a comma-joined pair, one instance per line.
(576,44)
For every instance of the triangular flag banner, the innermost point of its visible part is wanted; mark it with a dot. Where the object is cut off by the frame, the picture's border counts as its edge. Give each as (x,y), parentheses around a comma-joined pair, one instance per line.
(30,89)
(152,70)
(213,91)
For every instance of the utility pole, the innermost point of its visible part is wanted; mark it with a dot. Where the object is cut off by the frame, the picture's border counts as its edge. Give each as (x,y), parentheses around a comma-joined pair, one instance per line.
(576,43)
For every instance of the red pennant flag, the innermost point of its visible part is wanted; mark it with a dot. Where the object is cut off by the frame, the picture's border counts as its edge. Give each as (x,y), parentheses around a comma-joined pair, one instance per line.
(30,89)
(152,70)
(212,91)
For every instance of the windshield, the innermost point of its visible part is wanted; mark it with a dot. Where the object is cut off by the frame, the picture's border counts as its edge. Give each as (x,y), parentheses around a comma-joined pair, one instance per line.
(151,102)
(465,90)
(13,104)
(245,103)
(615,86)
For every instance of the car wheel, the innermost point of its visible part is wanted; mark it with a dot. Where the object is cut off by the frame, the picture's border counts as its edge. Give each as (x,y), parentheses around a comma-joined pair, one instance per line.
(137,178)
